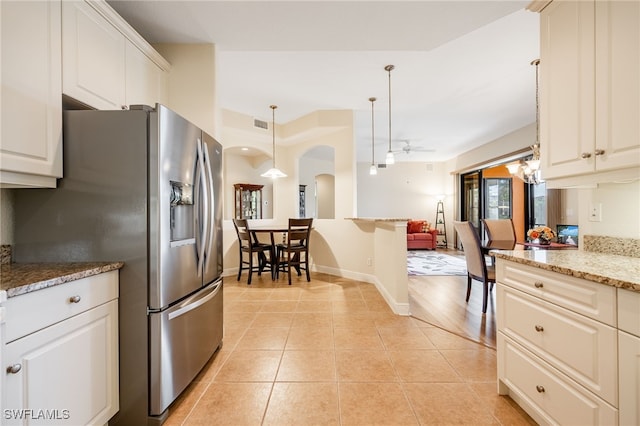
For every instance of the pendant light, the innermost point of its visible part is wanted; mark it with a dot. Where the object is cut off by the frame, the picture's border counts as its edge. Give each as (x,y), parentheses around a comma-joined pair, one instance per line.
(389,159)
(534,163)
(529,170)
(273,172)
(372,170)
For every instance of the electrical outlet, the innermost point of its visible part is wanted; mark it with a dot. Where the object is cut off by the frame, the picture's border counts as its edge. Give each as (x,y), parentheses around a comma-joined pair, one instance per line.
(369,262)
(595,212)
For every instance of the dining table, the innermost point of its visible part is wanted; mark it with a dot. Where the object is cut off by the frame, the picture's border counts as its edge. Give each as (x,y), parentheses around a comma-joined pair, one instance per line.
(271,230)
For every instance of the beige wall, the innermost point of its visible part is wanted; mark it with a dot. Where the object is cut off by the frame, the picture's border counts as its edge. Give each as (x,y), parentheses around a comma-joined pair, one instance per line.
(192,83)
(620,207)
(509,146)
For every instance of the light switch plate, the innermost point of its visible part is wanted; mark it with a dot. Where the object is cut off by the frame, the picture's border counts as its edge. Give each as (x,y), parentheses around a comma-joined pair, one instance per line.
(595,212)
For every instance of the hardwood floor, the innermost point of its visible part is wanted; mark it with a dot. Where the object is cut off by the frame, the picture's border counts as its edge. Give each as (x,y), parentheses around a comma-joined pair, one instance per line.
(439,301)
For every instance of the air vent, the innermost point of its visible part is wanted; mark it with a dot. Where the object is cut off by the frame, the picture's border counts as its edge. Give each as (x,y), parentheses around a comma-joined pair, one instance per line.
(382,165)
(260,124)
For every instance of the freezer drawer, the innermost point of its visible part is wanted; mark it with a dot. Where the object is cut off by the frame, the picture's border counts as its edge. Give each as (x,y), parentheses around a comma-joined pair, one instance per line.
(182,339)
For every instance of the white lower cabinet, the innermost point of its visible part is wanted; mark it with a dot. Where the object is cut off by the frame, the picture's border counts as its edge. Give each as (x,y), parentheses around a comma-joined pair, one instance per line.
(67,371)
(629,356)
(558,345)
(629,373)
(545,393)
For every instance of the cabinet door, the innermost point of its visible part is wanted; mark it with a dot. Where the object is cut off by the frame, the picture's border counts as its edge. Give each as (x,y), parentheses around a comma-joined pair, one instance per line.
(567,88)
(93,59)
(629,372)
(582,348)
(68,371)
(617,84)
(143,77)
(31,141)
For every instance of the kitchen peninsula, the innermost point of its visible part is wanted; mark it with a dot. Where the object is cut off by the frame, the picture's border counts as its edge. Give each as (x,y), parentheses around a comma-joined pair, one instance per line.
(389,259)
(569,334)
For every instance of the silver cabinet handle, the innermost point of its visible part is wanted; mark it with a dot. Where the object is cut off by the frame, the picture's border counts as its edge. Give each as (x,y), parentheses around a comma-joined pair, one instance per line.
(599,152)
(586,155)
(539,328)
(538,284)
(540,389)
(75,299)
(13,369)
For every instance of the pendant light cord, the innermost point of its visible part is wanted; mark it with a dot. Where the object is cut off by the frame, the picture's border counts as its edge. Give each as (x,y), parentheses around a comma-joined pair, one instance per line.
(273,129)
(372,100)
(389,68)
(536,63)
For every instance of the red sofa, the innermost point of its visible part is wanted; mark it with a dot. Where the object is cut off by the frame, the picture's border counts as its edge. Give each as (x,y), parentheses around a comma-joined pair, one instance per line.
(421,236)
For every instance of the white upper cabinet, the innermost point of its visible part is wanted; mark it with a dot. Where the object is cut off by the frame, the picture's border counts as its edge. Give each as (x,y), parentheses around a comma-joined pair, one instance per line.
(144,80)
(106,64)
(590,90)
(93,57)
(31,114)
(617,84)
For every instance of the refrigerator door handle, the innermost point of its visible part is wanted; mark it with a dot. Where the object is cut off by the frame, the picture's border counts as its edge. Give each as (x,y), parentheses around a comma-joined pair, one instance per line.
(195,304)
(210,201)
(204,212)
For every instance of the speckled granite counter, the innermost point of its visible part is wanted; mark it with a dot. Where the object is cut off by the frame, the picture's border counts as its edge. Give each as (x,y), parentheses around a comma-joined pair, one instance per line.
(22,278)
(608,269)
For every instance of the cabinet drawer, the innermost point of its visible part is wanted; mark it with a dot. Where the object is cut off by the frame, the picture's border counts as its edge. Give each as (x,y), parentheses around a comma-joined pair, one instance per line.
(33,311)
(597,301)
(582,348)
(629,311)
(553,397)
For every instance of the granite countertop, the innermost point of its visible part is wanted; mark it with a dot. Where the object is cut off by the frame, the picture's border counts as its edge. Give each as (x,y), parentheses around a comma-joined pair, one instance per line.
(22,278)
(610,269)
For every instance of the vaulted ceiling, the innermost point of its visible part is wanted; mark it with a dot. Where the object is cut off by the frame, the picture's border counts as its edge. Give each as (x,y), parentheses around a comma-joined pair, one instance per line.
(462,72)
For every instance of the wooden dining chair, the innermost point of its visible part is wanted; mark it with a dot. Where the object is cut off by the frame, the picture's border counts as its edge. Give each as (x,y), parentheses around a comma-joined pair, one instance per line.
(477,268)
(294,250)
(500,230)
(248,246)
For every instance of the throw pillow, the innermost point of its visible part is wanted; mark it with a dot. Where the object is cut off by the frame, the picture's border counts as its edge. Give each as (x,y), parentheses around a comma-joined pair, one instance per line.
(415,226)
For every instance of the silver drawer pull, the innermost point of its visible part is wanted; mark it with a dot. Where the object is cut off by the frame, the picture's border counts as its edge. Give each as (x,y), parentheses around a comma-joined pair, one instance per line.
(586,155)
(599,152)
(74,299)
(538,284)
(539,328)
(13,369)
(540,389)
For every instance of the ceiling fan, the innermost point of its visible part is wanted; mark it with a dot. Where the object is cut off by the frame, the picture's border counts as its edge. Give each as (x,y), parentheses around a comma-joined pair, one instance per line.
(407,148)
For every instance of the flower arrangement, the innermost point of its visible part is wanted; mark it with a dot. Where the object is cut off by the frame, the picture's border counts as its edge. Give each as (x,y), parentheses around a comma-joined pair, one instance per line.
(542,233)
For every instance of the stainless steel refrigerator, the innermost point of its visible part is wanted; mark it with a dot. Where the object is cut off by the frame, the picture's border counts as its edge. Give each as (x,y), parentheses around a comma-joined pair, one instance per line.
(141,186)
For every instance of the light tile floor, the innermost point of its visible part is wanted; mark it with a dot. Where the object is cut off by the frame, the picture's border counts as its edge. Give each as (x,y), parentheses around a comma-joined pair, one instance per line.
(331,352)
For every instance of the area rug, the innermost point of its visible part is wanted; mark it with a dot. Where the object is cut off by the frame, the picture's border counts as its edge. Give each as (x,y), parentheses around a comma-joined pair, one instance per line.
(420,262)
